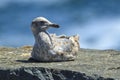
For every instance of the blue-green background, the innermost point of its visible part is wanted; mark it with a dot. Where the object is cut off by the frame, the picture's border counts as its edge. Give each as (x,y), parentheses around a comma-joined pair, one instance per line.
(96,21)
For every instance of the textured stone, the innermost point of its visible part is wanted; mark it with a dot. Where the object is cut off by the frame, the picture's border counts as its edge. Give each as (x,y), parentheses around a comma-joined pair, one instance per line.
(39,73)
(89,65)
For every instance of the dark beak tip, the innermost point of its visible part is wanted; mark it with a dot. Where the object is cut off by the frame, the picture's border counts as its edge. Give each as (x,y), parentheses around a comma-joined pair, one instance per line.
(57,26)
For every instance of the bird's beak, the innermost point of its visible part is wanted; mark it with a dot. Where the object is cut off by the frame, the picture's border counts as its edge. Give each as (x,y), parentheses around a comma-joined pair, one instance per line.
(53,25)
(48,25)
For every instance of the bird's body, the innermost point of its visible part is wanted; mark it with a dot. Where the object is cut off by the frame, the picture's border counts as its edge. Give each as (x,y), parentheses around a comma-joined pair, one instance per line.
(49,47)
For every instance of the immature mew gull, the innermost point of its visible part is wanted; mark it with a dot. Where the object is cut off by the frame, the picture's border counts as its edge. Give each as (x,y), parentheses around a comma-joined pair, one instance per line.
(49,47)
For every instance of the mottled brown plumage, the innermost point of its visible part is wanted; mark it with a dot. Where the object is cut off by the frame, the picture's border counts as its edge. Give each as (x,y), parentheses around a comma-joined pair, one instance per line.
(49,47)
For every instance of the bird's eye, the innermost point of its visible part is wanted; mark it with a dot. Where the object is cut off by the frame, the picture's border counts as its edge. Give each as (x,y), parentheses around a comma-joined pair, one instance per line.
(42,22)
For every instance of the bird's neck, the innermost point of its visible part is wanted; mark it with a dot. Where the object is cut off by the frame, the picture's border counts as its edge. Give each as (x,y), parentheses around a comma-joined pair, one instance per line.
(49,37)
(40,35)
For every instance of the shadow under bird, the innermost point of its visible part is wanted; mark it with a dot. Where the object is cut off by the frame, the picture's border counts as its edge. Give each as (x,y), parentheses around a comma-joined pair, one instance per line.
(50,47)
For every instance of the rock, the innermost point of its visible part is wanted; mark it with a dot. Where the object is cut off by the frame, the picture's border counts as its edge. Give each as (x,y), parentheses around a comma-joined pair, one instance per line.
(89,65)
(39,73)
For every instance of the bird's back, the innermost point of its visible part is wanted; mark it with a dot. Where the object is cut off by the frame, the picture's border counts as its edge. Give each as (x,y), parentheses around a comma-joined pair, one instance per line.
(65,45)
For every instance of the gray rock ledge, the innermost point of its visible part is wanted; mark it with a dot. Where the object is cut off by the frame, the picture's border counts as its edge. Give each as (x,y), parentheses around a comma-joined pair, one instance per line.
(89,65)
(39,73)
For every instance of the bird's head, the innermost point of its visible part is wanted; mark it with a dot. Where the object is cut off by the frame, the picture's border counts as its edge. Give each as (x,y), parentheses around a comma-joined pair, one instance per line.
(42,24)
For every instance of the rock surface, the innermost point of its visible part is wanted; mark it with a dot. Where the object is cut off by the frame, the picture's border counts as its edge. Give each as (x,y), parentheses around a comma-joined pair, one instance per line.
(89,65)
(38,73)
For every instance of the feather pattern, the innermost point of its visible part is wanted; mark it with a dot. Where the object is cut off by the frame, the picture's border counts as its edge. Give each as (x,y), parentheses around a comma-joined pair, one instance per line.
(50,47)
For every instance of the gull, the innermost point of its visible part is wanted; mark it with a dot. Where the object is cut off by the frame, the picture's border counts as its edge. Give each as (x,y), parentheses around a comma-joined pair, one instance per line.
(50,47)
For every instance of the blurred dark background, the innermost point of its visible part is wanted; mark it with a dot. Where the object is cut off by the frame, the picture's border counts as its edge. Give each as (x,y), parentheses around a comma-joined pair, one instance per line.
(96,21)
